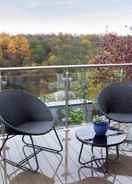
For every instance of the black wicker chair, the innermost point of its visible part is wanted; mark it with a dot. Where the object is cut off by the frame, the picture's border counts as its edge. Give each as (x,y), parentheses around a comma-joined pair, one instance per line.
(23,114)
(115,102)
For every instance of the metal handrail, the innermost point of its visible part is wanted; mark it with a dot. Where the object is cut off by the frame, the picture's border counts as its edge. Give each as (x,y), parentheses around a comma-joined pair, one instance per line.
(65,66)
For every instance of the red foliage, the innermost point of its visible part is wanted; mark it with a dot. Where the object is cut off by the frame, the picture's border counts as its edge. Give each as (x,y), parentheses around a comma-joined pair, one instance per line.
(114,49)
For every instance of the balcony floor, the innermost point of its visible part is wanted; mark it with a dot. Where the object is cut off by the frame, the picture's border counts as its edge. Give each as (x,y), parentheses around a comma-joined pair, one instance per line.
(53,171)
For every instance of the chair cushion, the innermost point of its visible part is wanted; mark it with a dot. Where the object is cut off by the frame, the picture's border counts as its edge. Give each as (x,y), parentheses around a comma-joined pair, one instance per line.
(34,127)
(120,117)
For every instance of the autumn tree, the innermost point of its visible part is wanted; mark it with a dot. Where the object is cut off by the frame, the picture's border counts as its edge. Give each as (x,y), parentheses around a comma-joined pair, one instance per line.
(114,49)
(18,51)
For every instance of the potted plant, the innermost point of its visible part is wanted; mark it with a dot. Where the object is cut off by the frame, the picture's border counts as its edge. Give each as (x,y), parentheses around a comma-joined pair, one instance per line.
(100,125)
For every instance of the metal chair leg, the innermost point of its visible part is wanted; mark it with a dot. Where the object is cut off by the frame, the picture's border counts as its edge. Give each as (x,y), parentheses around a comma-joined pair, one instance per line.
(41,148)
(3,143)
(35,155)
(22,163)
(36,150)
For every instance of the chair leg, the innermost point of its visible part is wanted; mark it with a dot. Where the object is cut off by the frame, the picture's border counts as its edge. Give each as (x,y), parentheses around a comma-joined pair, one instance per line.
(61,146)
(3,143)
(35,155)
(41,148)
(21,164)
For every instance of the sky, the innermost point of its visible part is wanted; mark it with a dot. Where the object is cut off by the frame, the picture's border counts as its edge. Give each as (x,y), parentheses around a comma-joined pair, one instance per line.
(66,16)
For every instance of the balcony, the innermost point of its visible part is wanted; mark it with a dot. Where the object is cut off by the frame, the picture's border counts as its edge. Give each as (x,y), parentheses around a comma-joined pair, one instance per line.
(45,82)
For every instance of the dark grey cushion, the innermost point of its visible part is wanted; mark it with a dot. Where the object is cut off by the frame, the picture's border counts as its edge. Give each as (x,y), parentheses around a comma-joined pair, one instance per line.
(120,117)
(35,127)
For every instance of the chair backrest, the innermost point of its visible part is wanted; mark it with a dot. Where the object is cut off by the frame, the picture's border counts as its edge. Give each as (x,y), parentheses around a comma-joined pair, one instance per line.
(116,97)
(17,106)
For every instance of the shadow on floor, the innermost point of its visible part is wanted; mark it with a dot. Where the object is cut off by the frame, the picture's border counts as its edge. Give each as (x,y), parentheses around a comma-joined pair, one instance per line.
(31,178)
(123,166)
(93,180)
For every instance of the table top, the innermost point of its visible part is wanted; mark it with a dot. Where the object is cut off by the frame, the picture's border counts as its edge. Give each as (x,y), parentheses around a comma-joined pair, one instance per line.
(113,136)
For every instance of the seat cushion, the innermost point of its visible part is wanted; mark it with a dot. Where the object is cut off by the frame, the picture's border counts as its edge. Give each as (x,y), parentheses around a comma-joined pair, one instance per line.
(34,127)
(120,117)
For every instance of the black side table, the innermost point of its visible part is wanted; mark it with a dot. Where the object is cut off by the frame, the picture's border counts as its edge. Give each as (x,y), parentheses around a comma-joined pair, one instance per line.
(86,135)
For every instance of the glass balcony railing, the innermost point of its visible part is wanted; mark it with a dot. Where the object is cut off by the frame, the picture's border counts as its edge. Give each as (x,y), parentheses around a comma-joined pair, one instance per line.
(68,90)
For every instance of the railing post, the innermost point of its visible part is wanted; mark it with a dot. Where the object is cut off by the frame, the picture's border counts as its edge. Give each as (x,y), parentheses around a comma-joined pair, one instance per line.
(84,84)
(0,81)
(67,81)
(2,132)
(85,90)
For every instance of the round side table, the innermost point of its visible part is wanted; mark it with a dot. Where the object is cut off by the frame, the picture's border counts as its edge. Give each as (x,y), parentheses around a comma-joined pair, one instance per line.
(113,138)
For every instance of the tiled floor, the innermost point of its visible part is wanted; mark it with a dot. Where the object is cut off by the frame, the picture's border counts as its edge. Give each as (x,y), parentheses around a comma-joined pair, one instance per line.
(64,168)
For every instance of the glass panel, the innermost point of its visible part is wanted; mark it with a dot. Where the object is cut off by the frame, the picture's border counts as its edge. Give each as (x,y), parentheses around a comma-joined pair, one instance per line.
(83,88)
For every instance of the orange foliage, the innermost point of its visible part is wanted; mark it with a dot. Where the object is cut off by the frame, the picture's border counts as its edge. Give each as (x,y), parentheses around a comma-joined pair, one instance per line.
(15,49)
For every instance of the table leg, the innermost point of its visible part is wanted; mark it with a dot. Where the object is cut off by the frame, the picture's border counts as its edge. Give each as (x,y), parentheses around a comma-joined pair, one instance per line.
(107,154)
(93,159)
(80,154)
(117,152)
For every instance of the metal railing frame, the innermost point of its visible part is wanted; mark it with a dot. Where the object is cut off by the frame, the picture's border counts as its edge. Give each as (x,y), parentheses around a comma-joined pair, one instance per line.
(65,66)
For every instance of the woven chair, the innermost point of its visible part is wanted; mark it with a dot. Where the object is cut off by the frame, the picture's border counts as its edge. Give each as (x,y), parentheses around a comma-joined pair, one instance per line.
(115,102)
(23,114)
